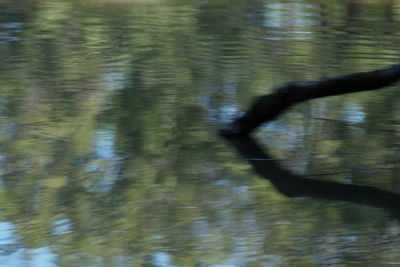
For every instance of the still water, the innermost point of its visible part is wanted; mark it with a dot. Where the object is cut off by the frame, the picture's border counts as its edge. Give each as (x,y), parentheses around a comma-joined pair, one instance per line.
(108,147)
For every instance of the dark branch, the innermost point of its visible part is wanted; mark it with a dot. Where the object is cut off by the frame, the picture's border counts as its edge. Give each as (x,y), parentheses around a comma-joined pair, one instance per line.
(267,107)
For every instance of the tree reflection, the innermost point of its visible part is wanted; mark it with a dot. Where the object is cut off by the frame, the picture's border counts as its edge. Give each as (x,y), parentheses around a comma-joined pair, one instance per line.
(293,185)
(106,114)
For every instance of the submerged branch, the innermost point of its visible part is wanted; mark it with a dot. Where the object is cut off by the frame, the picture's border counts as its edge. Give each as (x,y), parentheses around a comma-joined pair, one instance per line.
(267,107)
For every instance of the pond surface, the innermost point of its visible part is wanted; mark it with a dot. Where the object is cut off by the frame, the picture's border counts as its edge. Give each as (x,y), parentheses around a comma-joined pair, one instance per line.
(108,148)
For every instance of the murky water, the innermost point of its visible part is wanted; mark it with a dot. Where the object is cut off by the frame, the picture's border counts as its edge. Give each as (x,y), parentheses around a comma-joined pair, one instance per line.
(108,147)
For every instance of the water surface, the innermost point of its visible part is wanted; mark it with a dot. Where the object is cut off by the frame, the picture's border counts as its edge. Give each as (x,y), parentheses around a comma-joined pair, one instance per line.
(108,147)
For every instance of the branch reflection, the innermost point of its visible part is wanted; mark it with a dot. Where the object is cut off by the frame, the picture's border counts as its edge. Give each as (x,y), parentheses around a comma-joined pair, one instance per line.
(293,185)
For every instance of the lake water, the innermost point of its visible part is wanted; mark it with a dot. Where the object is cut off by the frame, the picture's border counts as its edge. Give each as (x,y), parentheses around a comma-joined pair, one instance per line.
(108,148)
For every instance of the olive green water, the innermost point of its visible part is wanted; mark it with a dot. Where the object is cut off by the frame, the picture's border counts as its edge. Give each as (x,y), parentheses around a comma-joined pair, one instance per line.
(108,115)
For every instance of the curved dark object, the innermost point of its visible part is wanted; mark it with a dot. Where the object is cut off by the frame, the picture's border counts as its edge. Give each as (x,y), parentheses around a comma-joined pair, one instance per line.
(293,185)
(267,107)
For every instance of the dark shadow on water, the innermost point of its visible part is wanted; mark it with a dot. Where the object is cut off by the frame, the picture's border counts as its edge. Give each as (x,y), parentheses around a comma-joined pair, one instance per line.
(294,185)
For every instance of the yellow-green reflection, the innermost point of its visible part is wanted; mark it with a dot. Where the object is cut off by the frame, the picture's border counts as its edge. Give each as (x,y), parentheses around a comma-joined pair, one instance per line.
(108,114)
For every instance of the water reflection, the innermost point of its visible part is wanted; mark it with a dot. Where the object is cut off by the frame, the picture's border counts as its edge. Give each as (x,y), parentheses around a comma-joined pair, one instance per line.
(290,21)
(293,185)
(108,113)
(9,32)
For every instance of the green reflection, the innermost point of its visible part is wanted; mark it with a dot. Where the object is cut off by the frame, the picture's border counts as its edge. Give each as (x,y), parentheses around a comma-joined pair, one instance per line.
(108,111)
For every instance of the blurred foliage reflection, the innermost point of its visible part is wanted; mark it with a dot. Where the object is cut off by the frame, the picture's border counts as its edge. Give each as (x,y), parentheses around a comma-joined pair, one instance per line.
(108,113)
